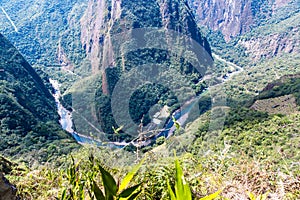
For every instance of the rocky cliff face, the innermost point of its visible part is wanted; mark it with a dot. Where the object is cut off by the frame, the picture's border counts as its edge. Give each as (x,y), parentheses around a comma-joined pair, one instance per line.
(119,35)
(105,18)
(279,35)
(272,45)
(95,25)
(230,17)
(261,29)
(233,18)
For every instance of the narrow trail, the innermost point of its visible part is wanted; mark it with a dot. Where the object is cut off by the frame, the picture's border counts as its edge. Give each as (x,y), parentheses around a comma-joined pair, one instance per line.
(9,19)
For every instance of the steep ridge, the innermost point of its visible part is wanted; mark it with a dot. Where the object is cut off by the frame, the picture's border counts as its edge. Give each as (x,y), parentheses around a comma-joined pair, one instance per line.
(42,30)
(256,30)
(278,36)
(234,18)
(28,116)
(103,19)
(111,28)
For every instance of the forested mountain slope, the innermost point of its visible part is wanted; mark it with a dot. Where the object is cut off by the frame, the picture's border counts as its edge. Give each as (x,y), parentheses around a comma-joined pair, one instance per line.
(245,147)
(46,33)
(82,35)
(145,32)
(29,119)
(267,47)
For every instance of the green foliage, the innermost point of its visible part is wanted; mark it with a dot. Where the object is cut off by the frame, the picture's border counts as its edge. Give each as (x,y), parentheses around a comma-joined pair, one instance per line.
(83,185)
(260,139)
(112,191)
(211,196)
(160,140)
(147,96)
(182,189)
(145,14)
(35,18)
(241,114)
(229,171)
(255,152)
(260,10)
(281,87)
(231,51)
(29,127)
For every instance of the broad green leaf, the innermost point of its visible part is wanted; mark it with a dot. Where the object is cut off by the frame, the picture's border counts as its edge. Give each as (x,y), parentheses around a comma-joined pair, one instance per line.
(97,192)
(129,191)
(211,196)
(109,183)
(171,193)
(63,196)
(182,189)
(178,183)
(132,197)
(187,192)
(129,176)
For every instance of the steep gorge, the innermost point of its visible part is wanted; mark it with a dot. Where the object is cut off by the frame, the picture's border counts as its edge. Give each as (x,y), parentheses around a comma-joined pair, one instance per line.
(104,19)
(119,36)
(28,117)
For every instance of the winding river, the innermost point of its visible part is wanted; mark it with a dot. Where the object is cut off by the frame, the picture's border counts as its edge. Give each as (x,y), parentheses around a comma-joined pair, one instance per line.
(66,122)
(180,115)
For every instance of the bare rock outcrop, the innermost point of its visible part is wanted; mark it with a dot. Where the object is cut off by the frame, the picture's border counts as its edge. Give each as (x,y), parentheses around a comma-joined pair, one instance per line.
(234,17)
(7,190)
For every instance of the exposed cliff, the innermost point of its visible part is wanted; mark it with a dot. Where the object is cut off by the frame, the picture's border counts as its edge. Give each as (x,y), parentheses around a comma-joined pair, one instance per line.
(7,190)
(233,18)
(119,35)
(253,30)
(279,36)
(104,19)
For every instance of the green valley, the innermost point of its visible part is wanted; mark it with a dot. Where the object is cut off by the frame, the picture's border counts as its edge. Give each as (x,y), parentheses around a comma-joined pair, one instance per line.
(162,99)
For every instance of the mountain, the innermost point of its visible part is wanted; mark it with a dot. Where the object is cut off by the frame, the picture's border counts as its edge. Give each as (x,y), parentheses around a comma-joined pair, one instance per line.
(233,18)
(255,29)
(29,120)
(95,45)
(82,40)
(124,67)
(263,41)
(46,33)
(118,40)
